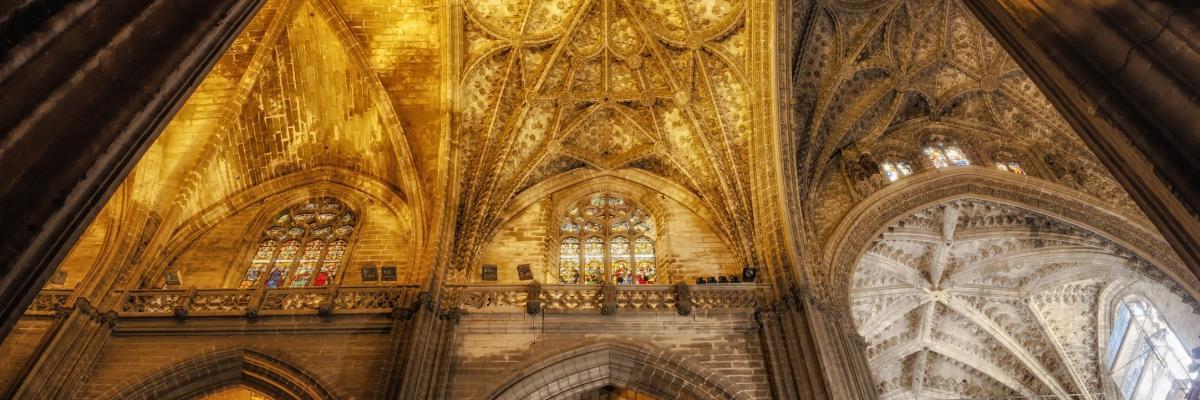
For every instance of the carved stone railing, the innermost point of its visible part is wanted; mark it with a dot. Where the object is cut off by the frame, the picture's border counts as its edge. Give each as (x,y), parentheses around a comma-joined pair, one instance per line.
(607,299)
(254,302)
(48,302)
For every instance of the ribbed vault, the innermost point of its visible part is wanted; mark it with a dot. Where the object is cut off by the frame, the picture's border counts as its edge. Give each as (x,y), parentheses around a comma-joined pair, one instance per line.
(973,298)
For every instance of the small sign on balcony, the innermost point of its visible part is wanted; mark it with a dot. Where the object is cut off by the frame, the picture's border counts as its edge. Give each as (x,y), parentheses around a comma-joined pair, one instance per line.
(370,273)
(387,273)
(524,272)
(489,273)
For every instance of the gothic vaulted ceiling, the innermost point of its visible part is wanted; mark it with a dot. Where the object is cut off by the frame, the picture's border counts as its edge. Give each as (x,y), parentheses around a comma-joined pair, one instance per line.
(876,76)
(308,84)
(981,300)
(553,86)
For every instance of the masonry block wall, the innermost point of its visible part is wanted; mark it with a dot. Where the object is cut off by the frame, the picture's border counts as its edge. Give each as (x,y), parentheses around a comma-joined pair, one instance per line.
(18,348)
(348,364)
(494,347)
(684,237)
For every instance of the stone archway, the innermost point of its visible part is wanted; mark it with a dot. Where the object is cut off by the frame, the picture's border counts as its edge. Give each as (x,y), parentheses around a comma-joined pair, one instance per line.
(589,368)
(869,217)
(224,368)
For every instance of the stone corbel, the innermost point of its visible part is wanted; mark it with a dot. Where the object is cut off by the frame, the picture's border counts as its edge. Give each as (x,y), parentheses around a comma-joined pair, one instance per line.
(533,298)
(683,299)
(608,293)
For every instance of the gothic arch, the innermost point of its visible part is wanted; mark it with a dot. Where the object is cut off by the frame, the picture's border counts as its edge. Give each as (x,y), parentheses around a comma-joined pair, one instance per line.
(277,193)
(617,363)
(864,222)
(222,368)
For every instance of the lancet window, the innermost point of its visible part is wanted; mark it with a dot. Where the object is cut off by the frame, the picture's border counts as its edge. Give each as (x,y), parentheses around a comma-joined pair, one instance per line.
(606,238)
(302,246)
(943,153)
(1144,357)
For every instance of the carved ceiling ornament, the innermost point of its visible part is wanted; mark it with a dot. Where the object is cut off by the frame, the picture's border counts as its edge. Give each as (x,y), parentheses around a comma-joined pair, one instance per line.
(984,300)
(612,84)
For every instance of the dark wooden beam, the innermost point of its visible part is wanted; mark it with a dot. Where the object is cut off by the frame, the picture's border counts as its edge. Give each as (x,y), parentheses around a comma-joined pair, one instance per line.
(87,86)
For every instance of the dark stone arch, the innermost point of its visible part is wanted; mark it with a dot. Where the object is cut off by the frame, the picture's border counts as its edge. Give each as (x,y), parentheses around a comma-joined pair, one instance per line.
(220,369)
(654,372)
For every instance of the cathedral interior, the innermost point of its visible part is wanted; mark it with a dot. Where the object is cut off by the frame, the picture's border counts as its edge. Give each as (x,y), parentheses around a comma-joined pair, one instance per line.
(600,199)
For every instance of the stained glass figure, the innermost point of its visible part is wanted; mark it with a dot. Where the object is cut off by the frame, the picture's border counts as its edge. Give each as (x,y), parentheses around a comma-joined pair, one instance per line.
(308,263)
(606,237)
(944,153)
(568,260)
(895,169)
(303,246)
(329,266)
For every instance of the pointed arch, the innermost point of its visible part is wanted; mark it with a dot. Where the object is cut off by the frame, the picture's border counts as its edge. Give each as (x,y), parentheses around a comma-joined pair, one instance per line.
(617,363)
(850,239)
(223,368)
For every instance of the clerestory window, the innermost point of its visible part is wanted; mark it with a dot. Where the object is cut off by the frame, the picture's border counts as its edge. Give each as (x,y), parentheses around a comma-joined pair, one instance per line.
(605,237)
(303,246)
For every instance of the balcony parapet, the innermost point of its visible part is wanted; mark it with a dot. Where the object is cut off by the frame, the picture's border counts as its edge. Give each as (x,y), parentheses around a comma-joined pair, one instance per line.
(186,303)
(607,299)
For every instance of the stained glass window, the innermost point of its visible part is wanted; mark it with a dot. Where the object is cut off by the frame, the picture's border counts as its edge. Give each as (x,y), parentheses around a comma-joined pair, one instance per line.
(1144,357)
(944,153)
(606,238)
(895,169)
(302,246)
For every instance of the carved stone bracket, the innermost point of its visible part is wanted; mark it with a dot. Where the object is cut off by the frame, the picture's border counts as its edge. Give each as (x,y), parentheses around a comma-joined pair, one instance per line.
(533,300)
(608,293)
(683,299)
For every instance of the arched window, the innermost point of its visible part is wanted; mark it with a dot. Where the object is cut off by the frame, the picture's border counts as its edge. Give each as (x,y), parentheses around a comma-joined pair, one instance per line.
(944,153)
(303,246)
(1144,357)
(606,237)
(895,169)
(1007,163)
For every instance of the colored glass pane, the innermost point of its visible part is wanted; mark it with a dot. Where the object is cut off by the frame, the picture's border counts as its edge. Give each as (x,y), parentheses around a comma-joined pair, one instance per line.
(305,258)
(329,266)
(595,241)
(568,263)
(308,263)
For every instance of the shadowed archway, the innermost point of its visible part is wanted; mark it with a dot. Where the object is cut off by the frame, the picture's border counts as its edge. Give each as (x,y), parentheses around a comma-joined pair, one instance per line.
(223,368)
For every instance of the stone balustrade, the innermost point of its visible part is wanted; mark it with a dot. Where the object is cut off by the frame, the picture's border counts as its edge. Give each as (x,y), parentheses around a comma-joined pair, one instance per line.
(182,303)
(607,299)
(534,298)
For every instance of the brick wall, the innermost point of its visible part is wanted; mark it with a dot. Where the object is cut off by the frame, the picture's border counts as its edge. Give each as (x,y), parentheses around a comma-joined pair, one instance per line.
(493,347)
(686,237)
(384,239)
(520,241)
(17,349)
(206,262)
(348,363)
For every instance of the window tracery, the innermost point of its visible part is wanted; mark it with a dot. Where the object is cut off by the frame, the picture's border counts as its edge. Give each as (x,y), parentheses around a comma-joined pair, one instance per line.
(943,153)
(606,238)
(1008,163)
(303,246)
(894,169)
(1144,357)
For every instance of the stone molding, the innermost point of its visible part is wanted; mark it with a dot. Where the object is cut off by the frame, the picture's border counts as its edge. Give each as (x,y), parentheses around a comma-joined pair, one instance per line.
(221,368)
